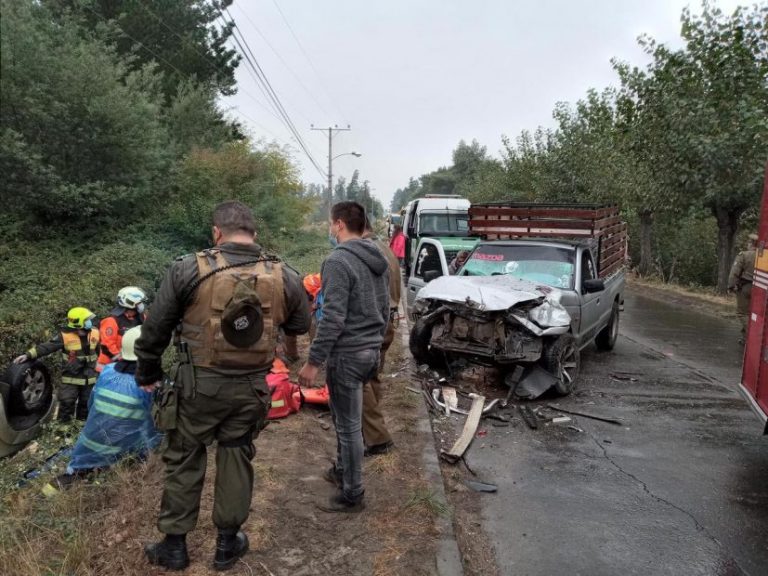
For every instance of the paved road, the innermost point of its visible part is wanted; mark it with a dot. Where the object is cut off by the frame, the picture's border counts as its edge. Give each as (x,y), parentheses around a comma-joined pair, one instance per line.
(681,489)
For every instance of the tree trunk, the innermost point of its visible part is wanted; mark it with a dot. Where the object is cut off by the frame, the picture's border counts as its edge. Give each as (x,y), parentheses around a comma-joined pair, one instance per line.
(646,225)
(727,227)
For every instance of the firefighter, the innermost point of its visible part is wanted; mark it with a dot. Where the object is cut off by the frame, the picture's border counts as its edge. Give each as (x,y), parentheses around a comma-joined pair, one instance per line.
(225,306)
(79,345)
(127,314)
(740,281)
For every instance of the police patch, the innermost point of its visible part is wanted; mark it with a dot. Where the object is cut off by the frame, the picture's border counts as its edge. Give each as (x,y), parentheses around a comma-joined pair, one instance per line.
(241,323)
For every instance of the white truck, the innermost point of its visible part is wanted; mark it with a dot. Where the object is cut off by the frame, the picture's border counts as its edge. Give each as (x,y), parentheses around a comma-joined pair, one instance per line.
(443,218)
(545,282)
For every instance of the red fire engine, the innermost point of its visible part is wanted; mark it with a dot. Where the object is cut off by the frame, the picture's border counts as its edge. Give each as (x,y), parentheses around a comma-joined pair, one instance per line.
(754,376)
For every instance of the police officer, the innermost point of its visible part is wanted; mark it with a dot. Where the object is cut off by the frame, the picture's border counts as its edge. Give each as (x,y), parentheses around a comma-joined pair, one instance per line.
(228,304)
(376,435)
(740,280)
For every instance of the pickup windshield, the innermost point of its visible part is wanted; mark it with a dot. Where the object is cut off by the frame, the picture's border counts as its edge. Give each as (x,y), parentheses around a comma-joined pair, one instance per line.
(444,224)
(541,264)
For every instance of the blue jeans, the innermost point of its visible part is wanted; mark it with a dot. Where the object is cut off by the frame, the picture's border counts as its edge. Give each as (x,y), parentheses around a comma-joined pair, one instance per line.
(347,373)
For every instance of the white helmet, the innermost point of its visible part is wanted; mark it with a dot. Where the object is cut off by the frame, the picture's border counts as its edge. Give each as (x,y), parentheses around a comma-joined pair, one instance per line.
(127,351)
(131,297)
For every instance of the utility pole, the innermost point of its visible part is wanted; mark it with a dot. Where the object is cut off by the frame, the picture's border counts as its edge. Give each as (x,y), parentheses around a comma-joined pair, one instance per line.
(331,131)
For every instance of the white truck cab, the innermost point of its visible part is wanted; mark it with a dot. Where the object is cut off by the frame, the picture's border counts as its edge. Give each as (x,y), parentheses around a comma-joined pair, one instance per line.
(443,217)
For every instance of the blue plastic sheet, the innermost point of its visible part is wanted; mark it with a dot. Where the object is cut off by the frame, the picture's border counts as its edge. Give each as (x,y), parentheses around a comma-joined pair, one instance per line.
(119,423)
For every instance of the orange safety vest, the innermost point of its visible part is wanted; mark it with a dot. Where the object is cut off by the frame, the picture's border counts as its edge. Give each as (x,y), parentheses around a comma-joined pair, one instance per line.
(111,330)
(201,325)
(78,363)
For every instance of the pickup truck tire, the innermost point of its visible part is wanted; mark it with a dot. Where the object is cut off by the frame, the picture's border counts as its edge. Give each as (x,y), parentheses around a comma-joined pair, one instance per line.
(606,338)
(30,387)
(418,342)
(563,359)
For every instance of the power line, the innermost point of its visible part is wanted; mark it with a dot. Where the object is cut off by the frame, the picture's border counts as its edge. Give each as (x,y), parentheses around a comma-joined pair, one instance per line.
(208,61)
(285,118)
(174,68)
(251,59)
(306,55)
(276,53)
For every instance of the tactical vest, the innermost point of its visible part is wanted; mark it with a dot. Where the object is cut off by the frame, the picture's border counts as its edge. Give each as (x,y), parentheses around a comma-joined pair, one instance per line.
(78,363)
(201,325)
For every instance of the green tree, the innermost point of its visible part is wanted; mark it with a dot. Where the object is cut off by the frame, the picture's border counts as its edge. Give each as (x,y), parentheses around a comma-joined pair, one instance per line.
(182,37)
(703,114)
(263,178)
(82,140)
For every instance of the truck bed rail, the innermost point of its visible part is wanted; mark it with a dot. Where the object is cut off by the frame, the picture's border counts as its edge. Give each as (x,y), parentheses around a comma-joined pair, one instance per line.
(510,220)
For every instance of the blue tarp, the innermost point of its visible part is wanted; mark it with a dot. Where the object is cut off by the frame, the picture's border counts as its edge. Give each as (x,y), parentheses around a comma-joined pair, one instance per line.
(119,423)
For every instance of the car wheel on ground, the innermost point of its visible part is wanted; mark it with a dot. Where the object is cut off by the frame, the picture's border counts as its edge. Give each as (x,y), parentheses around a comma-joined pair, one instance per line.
(606,338)
(418,342)
(30,387)
(563,359)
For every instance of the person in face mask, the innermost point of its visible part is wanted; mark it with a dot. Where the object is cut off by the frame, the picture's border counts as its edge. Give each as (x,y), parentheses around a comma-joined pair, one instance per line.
(128,313)
(78,344)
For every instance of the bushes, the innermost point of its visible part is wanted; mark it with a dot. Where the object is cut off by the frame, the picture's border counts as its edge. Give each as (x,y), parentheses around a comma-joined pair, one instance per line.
(40,282)
(80,129)
(110,167)
(263,178)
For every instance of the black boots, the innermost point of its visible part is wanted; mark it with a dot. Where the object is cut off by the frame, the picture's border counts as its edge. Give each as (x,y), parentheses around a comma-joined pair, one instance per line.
(170,553)
(230,545)
(340,503)
(377,449)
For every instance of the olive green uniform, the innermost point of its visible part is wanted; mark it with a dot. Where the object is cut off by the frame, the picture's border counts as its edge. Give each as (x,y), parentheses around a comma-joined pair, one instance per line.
(225,404)
(375,430)
(740,280)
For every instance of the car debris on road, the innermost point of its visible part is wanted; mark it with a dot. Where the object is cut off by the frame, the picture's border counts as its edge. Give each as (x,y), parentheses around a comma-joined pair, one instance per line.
(615,421)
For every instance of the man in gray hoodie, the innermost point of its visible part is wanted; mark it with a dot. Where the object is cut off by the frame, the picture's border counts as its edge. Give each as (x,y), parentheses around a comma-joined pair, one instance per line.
(355,286)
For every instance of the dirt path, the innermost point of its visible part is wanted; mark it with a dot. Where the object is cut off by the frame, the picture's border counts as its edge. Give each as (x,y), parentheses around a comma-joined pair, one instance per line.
(101,527)
(706,302)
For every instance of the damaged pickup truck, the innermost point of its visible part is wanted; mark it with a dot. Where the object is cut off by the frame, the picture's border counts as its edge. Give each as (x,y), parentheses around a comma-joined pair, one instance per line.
(532,300)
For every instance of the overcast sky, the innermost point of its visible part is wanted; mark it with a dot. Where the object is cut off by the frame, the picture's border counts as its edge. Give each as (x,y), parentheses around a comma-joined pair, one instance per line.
(412,78)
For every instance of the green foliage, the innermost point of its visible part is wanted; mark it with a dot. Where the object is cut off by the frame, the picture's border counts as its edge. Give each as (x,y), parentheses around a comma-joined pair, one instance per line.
(80,129)
(472,175)
(680,145)
(181,37)
(40,281)
(112,162)
(354,191)
(261,178)
(194,121)
(305,249)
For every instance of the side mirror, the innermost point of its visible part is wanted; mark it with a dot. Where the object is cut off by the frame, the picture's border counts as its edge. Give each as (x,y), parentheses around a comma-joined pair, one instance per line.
(594,285)
(430,275)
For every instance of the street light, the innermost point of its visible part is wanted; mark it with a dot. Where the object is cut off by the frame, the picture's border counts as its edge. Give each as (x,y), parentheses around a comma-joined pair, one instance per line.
(330,174)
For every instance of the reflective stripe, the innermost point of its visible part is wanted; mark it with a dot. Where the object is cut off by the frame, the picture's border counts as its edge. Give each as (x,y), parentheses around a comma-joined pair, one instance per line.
(96,447)
(78,380)
(278,403)
(89,357)
(117,411)
(120,397)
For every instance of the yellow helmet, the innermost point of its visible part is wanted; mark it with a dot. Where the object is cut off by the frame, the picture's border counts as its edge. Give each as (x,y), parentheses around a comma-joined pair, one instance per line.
(79,317)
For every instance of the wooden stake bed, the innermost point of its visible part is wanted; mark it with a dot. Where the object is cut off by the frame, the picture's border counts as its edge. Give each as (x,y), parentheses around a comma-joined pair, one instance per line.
(504,221)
